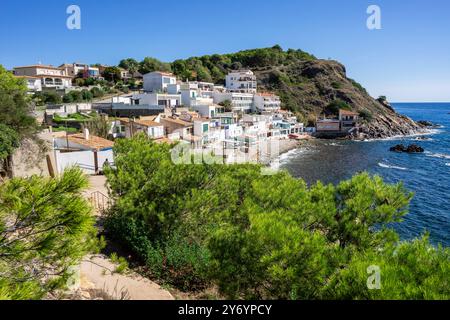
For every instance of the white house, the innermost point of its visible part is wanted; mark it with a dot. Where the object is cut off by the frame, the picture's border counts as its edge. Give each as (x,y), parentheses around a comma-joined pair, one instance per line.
(209,130)
(50,76)
(267,102)
(207,110)
(240,101)
(241,81)
(34,84)
(157,99)
(89,153)
(158,81)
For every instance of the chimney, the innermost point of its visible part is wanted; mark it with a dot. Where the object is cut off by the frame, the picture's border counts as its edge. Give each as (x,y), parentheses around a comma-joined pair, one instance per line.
(86,134)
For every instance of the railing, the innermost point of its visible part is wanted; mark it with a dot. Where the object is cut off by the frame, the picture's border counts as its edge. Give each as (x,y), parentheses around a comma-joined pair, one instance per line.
(100,202)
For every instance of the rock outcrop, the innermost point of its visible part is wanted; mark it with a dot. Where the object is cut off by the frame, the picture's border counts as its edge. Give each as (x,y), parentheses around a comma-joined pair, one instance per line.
(413,148)
(309,87)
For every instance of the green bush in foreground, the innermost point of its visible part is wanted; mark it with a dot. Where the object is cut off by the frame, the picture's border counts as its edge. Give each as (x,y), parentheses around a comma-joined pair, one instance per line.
(271,237)
(46,227)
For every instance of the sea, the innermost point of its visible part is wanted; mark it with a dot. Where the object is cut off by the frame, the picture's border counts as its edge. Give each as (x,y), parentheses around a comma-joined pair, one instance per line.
(427,175)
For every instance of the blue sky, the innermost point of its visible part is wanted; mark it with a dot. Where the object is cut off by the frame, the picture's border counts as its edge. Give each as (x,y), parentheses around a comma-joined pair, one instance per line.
(407,60)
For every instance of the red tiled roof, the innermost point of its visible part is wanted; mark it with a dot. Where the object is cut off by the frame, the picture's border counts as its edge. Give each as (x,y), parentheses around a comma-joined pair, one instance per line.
(94,142)
(346,112)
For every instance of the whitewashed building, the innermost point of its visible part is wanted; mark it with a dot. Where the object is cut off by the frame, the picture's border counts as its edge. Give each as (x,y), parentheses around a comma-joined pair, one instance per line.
(158,81)
(33,84)
(242,102)
(267,102)
(157,99)
(241,81)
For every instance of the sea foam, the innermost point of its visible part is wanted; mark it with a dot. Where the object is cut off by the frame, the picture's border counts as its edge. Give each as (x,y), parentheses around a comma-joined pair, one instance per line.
(388,166)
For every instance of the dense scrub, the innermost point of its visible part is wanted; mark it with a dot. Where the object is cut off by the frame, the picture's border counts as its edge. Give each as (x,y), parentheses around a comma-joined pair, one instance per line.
(266,236)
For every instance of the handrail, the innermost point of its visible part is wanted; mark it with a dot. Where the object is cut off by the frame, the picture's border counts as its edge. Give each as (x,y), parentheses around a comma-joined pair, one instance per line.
(100,201)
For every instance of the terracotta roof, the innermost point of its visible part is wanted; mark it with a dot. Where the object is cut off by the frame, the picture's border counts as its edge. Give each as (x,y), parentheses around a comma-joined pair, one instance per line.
(178,121)
(266,94)
(143,122)
(94,142)
(346,112)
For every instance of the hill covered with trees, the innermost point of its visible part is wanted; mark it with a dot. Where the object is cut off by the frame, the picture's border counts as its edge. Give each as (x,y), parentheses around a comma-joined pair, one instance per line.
(308,86)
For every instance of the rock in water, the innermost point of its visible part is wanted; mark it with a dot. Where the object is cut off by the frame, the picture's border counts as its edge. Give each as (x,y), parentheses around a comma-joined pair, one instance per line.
(424,123)
(398,148)
(413,148)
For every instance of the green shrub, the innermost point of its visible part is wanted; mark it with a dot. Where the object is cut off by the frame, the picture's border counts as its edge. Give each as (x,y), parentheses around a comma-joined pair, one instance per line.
(366,115)
(122,263)
(334,107)
(258,236)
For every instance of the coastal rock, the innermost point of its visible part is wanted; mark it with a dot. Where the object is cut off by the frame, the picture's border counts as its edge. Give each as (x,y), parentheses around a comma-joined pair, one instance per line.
(425,123)
(308,87)
(413,148)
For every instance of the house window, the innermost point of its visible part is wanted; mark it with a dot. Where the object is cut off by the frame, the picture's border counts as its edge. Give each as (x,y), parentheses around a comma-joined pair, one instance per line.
(205,127)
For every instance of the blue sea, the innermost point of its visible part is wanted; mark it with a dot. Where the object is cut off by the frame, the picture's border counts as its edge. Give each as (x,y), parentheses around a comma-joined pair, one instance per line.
(427,175)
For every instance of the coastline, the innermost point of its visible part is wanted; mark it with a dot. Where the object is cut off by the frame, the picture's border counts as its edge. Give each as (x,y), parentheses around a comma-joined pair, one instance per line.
(287,145)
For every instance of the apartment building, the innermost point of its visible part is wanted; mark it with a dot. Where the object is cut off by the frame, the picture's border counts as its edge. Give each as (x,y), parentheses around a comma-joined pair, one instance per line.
(243,81)
(240,102)
(267,102)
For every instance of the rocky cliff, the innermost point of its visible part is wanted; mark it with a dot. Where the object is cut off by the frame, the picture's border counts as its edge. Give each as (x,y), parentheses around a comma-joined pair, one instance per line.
(319,87)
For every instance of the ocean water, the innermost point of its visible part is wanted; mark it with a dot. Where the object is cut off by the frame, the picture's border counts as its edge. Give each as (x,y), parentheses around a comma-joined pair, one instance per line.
(427,175)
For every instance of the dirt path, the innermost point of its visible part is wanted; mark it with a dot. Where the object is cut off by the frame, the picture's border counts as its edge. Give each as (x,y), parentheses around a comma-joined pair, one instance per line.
(97,272)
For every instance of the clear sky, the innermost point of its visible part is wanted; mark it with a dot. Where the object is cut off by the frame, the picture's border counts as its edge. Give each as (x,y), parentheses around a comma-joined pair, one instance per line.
(407,60)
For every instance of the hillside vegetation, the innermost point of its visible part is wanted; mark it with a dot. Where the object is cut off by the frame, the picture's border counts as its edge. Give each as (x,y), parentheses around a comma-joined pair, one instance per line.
(308,86)
(258,236)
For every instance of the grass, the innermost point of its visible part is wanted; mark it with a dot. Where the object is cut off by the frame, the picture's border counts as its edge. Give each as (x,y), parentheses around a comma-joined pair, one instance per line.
(122,263)
(67,129)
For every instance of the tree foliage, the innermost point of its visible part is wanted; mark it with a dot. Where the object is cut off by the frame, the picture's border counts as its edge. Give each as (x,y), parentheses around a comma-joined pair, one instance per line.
(151,64)
(214,68)
(15,114)
(112,74)
(9,140)
(259,236)
(129,64)
(46,227)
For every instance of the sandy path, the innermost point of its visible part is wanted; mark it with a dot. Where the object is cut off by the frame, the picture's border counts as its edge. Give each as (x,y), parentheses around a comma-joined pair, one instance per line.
(97,271)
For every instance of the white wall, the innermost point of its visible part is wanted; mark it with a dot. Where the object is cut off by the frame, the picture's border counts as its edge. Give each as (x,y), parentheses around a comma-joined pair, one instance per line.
(157,82)
(71,108)
(82,159)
